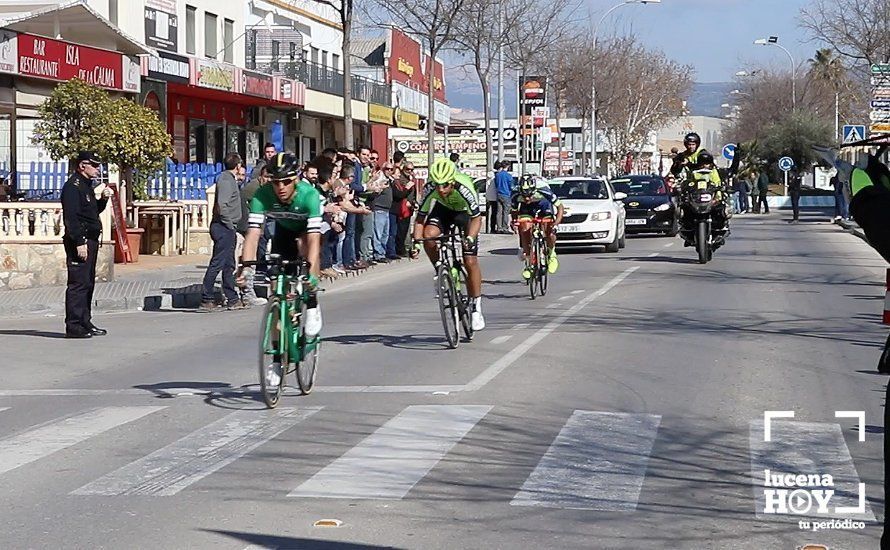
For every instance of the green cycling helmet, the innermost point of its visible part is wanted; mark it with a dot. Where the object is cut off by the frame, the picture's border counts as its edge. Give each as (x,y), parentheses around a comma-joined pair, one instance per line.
(442,171)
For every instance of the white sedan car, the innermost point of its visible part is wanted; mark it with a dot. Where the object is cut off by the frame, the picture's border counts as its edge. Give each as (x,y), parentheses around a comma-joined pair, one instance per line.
(594,214)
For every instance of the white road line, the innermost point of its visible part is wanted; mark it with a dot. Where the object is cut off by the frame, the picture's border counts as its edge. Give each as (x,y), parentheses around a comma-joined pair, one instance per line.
(520,326)
(576,292)
(561,298)
(668,245)
(654,254)
(808,448)
(4,409)
(389,462)
(56,435)
(513,355)
(597,462)
(168,471)
(501,339)
(553,305)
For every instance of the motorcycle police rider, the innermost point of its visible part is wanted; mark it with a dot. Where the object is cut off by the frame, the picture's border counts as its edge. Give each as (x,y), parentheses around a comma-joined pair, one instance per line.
(690,157)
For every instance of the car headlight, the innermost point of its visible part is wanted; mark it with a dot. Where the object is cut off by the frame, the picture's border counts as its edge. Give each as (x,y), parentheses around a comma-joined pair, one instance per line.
(662,207)
(600,216)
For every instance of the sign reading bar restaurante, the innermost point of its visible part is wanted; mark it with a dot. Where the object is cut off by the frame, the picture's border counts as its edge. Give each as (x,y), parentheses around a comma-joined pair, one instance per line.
(56,60)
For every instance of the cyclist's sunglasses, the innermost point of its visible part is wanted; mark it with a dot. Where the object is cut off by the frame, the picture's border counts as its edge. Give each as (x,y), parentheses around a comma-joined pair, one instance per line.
(445,184)
(284,182)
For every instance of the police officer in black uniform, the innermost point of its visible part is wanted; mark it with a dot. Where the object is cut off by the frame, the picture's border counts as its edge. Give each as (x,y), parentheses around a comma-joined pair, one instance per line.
(83,229)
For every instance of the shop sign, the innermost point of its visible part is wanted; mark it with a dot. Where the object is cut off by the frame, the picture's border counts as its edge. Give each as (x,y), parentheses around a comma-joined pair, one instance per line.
(9,57)
(410,99)
(214,75)
(443,113)
(47,58)
(404,119)
(290,91)
(532,93)
(380,114)
(167,67)
(257,84)
(161,24)
(132,74)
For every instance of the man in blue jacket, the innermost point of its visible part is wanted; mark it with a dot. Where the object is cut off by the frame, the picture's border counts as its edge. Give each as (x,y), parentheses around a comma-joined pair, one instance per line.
(504,182)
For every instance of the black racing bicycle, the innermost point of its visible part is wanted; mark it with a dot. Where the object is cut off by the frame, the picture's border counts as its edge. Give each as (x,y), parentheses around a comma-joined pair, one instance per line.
(537,263)
(450,282)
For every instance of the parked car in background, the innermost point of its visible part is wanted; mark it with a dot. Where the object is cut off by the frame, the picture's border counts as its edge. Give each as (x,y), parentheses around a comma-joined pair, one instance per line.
(649,206)
(594,214)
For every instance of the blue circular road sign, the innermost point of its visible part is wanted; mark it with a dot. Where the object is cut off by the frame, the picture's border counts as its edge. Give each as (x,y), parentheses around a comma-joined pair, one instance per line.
(729,151)
(785,164)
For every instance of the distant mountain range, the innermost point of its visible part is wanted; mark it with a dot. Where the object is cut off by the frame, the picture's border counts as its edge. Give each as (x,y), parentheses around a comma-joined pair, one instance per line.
(705,99)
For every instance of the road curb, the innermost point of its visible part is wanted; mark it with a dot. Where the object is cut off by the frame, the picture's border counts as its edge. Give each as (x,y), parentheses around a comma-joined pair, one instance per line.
(852,228)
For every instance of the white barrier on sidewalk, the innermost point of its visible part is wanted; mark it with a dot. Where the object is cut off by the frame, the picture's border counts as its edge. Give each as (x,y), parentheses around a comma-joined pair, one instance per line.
(821,201)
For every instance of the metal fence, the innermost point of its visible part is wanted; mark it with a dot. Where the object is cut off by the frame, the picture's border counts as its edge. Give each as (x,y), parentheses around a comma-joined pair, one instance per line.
(44,180)
(326,79)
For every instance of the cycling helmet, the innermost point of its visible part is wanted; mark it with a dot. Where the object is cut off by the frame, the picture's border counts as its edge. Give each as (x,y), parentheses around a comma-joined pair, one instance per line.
(283,166)
(442,171)
(705,158)
(527,185)
(692,137)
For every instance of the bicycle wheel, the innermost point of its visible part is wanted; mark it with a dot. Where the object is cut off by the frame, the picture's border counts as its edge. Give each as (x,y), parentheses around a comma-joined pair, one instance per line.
(273,353)
(543,260)
(533,267)
(307,368)
(447,304)
(463,300)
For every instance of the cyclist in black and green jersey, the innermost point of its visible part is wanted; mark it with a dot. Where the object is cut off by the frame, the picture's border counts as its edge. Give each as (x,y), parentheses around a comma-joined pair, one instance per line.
(450,200)
(292,239)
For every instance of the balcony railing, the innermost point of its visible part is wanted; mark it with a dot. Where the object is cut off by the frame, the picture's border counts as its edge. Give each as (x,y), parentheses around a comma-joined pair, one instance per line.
(325,79)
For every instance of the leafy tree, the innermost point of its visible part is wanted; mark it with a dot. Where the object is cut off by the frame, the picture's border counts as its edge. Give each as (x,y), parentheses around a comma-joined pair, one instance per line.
(794,137)
(79,116)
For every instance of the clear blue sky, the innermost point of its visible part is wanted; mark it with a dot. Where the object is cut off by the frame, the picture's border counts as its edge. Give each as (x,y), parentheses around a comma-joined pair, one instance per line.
(714,36)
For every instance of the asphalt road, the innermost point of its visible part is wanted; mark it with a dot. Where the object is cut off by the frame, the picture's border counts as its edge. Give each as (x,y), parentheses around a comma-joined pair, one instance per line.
(623,410)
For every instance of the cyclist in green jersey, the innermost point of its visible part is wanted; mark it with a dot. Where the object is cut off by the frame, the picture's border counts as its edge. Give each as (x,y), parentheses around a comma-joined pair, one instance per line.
(286,194)
(450,200)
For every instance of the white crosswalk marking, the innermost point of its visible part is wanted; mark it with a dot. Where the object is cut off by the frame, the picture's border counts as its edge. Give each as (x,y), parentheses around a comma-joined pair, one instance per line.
(54,436)
(597,462)
(4,409)
(389,462)
(808,449)
(167,471)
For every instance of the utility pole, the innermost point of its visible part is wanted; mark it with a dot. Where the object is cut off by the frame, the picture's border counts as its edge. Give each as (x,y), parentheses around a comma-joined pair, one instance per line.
(501,81)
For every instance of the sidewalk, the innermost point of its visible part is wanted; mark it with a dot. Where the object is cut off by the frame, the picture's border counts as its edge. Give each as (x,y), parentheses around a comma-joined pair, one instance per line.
(159,282)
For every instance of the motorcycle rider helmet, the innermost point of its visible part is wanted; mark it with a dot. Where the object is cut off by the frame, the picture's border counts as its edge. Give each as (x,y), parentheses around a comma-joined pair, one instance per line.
(527,185)
(442,172)
(692,137)
(283,166)
(705,158)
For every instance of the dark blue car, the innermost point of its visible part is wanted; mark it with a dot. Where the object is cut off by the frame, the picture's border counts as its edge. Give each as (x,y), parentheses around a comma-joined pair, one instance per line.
(649,206)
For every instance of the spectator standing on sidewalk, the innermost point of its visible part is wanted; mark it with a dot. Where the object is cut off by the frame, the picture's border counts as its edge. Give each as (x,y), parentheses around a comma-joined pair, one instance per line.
(223,225)
(269,151)
(504,183)
(745,192)
(248,294)
(399,195)
(406,180)
(380,203)
(762,190)
(365,244)
(354,209)
(83,229)
(491,198)
(840,200)
(794,183)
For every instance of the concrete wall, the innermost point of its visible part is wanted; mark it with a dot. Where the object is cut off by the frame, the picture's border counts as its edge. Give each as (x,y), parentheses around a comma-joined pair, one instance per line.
(29,265)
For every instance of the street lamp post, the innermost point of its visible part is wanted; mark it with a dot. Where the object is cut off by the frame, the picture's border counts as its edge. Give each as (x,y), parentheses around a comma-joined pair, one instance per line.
(774,41)
(596,28)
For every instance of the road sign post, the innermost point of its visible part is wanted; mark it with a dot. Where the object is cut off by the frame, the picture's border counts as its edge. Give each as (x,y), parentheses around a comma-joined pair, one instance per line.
(786,164)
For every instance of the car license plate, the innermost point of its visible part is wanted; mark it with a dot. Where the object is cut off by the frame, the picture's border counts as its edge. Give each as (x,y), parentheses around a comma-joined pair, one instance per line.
(635,221)
(569,228)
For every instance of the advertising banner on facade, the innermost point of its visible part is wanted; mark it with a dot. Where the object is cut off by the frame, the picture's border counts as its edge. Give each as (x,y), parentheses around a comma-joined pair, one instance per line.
(161,24)
(257,84)
(168,67)
(9,52)
(471,148)
(380,114)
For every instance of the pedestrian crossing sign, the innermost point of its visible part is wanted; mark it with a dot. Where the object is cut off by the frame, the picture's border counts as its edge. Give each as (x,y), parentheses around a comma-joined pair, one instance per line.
(854,133)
